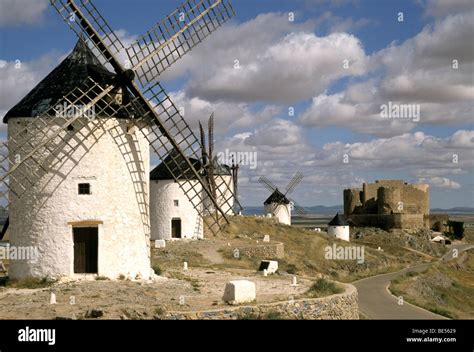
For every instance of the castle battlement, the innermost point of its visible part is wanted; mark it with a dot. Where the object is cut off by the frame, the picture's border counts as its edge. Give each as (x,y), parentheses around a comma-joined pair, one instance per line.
(388,204)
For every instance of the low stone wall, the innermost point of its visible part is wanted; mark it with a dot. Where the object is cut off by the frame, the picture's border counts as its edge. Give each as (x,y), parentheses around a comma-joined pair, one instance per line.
(270,250)
(335,307)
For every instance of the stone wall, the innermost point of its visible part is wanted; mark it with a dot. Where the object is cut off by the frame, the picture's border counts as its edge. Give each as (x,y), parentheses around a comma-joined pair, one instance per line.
(388,221)
(437,222)
(335,307)
(388,204)
(415,198)
(275,250)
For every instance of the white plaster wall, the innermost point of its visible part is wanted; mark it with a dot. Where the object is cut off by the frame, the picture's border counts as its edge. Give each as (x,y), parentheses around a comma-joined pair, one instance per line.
(117,166)
(341,232)
(162,210)
(282,212)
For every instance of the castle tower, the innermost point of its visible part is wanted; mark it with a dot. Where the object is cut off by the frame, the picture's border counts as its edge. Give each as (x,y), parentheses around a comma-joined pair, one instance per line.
(389,201)
(351,200)
(87,211)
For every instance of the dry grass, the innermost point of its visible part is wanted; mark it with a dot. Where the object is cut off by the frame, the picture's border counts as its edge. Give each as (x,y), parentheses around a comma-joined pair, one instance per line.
(31,283)
(445,288)
(304,251)
(323,287)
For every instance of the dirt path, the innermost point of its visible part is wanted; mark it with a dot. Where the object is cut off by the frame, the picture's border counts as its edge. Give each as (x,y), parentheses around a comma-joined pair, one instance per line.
(211,254)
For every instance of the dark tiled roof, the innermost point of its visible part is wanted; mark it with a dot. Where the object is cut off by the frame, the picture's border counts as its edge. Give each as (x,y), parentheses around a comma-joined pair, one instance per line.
(72,72)
(339,220)
(222,169)
(277,197)
(161,172)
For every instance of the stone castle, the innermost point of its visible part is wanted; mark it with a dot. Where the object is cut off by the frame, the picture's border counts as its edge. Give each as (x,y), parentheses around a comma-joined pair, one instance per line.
(388,204)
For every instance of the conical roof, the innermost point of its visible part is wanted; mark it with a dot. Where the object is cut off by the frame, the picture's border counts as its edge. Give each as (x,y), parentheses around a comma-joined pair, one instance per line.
(72,72)
(221,169)
(161,172)
(277,197)
(339,220)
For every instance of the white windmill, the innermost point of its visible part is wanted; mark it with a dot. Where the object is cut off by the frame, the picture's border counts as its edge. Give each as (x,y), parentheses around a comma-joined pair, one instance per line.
(75,169)
(172,214)
(278,204)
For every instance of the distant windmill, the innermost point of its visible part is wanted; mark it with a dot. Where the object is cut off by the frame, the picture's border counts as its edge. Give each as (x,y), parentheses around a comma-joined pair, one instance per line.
(221,180)
(235,177)
(279,204)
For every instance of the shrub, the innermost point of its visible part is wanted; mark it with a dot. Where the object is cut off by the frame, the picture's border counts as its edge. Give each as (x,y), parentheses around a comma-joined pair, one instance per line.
(157,269)
(323,287)
(31,283)
(273,315)
(159,311)
(248,316)
(411,274)
(291,269)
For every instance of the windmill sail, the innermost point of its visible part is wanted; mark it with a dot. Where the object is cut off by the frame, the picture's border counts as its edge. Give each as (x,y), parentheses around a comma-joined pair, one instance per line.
(167,131)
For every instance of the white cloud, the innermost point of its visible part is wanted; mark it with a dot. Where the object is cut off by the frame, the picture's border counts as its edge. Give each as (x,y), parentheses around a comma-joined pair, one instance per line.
(19,12)
(279,133)
(282,149)
(439,8)
(416,154)
(279,61)
(354,109)
(228,115)
(18,78)
(419,71)
(297,67)
(440,182)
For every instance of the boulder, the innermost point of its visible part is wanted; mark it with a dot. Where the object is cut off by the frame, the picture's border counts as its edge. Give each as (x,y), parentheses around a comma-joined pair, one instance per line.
(160,244)
(239,291)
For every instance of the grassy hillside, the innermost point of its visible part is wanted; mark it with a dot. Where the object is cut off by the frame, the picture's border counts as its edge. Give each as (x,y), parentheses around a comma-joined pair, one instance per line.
(304,251)
(444,288)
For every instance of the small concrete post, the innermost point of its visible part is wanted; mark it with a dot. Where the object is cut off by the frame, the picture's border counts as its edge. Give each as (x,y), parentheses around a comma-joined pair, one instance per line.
(185,266)
(52,298)
(293,281)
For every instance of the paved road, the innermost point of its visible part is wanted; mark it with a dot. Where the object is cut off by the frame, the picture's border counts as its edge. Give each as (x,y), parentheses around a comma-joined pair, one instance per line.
(376,302)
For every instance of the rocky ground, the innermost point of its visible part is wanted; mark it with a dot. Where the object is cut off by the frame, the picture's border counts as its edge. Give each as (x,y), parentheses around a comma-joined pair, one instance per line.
(194,289)
(416,240)
(211,264)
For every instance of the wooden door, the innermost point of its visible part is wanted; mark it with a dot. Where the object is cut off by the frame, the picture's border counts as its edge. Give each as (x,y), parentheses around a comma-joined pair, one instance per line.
(85,250)
(176,228)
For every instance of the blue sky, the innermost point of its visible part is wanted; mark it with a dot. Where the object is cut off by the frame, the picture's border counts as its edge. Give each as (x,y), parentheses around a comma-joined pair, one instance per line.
(336,111)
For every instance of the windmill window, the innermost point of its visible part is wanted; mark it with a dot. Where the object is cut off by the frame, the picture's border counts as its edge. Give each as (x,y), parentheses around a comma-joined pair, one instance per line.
(84,188)
(176,202)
